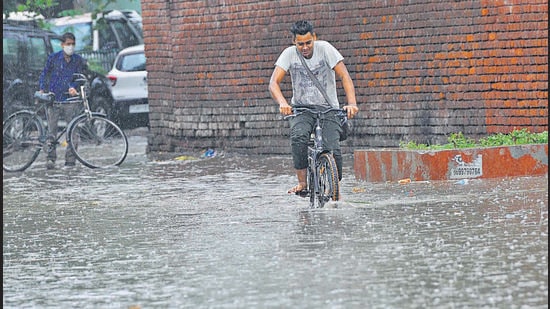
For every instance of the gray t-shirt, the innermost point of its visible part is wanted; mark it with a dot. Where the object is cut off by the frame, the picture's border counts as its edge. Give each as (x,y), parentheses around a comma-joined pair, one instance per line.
(324,59)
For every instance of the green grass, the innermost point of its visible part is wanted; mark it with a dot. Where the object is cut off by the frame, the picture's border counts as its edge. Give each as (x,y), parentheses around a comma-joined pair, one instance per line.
(458,140)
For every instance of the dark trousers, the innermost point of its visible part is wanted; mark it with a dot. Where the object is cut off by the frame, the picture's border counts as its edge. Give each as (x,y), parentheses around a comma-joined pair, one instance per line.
(301,128)
(67,112)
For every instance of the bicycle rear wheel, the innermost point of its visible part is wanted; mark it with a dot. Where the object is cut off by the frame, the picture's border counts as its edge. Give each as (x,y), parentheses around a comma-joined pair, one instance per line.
(97,141)
(328,180)
(21,144)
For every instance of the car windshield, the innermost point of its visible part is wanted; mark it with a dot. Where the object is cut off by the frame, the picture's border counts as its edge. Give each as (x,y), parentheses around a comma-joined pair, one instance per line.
(132,62)
(82,32)
(125,34)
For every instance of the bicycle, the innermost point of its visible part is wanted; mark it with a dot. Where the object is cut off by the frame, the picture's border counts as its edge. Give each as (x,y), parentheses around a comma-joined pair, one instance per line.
(322,172)
(96,141)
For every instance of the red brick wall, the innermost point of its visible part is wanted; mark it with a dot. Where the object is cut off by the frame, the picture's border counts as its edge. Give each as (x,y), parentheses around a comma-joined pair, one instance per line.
(422,69)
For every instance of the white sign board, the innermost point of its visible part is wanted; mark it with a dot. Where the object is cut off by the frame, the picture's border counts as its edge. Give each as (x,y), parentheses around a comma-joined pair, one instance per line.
(462,169)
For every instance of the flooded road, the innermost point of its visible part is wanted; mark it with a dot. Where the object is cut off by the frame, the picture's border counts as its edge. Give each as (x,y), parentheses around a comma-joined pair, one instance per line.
(221,232)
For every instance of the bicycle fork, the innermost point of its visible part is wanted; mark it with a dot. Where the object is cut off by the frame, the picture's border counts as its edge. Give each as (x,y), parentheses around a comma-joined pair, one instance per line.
(315,151)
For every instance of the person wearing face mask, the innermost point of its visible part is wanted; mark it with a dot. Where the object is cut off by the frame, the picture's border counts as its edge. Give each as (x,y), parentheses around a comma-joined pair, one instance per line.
(57,77)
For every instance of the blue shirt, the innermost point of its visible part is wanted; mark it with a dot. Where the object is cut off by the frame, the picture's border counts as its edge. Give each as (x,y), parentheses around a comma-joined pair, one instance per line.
(57,76)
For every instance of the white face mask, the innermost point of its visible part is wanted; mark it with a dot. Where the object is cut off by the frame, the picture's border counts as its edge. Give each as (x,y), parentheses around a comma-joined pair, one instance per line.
(69,49)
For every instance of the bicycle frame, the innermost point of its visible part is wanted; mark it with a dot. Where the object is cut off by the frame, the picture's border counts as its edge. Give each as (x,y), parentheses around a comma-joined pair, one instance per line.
(317,154)
(81,98)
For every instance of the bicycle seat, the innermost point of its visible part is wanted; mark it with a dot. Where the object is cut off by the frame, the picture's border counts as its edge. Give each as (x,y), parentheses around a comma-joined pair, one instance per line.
(44,96)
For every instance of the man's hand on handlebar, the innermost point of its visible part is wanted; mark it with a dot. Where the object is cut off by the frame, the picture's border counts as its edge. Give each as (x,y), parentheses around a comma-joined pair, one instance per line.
(285,109)
(73,92)
(351,110)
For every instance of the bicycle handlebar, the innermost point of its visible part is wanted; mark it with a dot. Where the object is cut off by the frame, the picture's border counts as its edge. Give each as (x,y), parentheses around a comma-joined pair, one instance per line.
(49,97)
(80,78)
(300,110)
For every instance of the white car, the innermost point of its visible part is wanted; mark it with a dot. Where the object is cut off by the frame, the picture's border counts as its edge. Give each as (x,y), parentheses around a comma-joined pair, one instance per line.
(129,87)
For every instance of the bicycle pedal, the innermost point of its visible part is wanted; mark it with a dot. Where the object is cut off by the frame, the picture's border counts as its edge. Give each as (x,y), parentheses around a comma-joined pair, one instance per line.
(303,193)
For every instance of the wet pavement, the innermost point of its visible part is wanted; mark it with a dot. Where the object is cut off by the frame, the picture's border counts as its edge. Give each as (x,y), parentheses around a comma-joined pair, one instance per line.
(222,232)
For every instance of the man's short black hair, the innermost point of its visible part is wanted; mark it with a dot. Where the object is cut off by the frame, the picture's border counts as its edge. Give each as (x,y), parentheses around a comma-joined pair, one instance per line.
(68,35)
(301,27)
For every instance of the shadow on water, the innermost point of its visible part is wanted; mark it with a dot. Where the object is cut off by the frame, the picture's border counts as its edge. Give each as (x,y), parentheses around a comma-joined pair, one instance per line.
(222,233)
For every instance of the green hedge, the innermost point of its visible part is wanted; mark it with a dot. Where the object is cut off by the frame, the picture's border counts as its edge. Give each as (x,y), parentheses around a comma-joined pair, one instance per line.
(458,140)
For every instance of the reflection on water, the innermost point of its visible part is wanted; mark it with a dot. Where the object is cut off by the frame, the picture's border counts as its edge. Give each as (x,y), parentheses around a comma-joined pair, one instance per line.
(223,233)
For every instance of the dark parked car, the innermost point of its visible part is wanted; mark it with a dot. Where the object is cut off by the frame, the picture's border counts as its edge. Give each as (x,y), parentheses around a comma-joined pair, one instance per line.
(24,52)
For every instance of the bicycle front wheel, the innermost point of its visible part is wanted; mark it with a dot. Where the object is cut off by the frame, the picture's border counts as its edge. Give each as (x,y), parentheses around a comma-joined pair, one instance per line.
(311,184)
(329,187)
(21,143)
(97,142)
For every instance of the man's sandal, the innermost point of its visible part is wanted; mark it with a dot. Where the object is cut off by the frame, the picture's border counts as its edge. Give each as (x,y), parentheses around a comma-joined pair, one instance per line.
(299,190)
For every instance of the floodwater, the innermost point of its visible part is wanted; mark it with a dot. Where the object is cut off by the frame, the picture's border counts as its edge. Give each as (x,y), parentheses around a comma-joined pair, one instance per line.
(222,232)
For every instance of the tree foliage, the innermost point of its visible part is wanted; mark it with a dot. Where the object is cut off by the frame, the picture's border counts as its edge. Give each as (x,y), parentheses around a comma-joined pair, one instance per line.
(36,5)
(53,8)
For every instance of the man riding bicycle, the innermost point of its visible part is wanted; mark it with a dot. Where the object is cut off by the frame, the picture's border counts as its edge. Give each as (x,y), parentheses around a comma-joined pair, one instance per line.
(325,62)
(57,77)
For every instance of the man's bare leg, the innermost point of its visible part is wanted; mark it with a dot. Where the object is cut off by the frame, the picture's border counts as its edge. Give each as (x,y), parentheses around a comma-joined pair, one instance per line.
(302,181)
